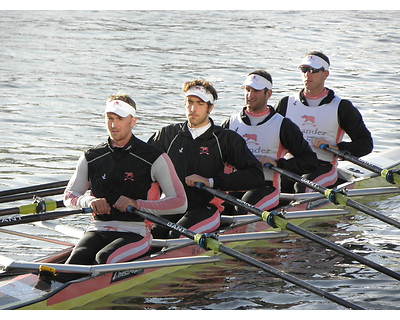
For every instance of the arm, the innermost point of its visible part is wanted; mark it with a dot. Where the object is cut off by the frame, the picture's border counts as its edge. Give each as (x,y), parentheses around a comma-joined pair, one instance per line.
(248,174)
(74,194)
(304,159)
(350,119)
(281,106)
(225,124)
(175,201)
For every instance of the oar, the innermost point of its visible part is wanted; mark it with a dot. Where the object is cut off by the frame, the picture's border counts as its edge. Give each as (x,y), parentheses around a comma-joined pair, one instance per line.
(25,235)
(36,207)
(392,176)
(334,196)
(213,244)
(14,220)
(22,196)
(275,221)
(349,193)
(45,186)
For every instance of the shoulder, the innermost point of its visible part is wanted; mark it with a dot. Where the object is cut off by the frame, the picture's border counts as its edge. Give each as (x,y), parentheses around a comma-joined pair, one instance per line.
(227,134)
(145,150)
(281,105)
(96,151)
(168,131)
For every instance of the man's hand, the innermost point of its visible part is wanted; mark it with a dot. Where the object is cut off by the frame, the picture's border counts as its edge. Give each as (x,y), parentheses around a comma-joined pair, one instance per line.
(265,159)
(123,202)
(100,206)
(317,142)
(192,179)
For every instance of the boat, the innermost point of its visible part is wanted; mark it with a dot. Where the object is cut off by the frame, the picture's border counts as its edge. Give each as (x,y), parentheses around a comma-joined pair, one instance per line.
(23,290)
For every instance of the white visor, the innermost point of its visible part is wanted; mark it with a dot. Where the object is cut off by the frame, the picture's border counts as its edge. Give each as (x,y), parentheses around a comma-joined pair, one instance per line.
(315,62)
(257,82)
(120,108)
(201,92)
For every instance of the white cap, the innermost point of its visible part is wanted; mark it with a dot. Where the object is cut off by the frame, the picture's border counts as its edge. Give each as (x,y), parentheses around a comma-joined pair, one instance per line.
(257,82)
(314,62)
(201,92)
(120,108)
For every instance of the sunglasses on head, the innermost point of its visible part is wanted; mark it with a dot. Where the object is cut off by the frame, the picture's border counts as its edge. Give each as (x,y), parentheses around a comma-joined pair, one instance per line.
(310,69)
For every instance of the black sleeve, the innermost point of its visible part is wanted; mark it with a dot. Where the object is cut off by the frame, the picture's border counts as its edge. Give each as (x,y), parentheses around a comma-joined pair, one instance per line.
(304,159)
(281,106)
(225,124)
(161,139)
(351,121)
(248,174)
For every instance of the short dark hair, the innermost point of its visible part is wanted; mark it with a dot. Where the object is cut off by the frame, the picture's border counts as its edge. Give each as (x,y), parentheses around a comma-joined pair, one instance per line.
(123,97)
(201,82)
(319,54)
(263,73)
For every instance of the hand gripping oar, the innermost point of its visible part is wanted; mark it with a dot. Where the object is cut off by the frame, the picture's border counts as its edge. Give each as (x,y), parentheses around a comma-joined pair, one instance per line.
(336,197)
(10,221)
(277,221)
(37,207)
(207,242)
(391,175)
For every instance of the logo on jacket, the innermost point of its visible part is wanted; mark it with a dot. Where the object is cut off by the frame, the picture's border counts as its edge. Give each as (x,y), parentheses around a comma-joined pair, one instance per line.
(204,150)
(129,176)
(250,137)
(308,119)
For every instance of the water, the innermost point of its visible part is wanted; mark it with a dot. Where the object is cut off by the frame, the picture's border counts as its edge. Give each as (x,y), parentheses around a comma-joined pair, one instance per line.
(58,67)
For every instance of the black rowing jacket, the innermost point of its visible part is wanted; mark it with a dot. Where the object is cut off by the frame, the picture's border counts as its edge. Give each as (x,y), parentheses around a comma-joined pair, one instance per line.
(348,118)
(207,156)
(121,171)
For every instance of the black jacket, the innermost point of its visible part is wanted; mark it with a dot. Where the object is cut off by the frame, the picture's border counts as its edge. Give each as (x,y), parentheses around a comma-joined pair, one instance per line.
(121,171)
(207,156)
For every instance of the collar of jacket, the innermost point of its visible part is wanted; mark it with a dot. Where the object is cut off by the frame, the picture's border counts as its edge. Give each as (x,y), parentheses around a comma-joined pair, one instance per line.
(185,129)
(126,148)
(326,100)
(246,119)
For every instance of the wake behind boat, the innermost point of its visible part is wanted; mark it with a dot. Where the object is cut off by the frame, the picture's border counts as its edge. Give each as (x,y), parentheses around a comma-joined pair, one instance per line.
(23,292)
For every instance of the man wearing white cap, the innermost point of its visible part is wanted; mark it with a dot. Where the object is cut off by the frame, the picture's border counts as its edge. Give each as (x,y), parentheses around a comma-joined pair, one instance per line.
(269,137)
(121,172)
(324,118)
(199,150)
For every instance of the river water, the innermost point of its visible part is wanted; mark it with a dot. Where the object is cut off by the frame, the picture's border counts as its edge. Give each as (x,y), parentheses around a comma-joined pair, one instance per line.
(58,67)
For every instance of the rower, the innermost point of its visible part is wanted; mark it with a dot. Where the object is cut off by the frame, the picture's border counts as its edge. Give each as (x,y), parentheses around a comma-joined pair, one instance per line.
(324,118)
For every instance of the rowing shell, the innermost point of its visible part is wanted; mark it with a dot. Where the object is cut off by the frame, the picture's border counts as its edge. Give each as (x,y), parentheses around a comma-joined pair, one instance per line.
(22,292)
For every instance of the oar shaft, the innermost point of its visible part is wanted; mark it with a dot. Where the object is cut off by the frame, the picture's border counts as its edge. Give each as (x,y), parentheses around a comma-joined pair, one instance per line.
(217,246)
(31,208)
(45,186)
(341,250)
(349,157)
(391,176)
(302,284)
(372,213)
(40,217)
(28,195)
(283,224)
(341,198)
